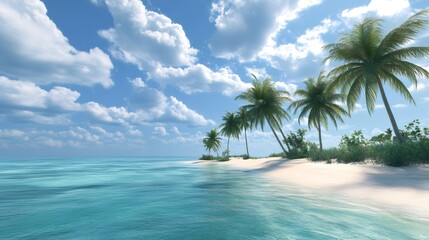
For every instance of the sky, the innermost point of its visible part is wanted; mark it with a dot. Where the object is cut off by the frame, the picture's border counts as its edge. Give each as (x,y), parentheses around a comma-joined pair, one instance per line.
(151,77)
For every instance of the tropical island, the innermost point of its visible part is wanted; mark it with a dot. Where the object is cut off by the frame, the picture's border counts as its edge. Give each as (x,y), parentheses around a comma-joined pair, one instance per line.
(368,63)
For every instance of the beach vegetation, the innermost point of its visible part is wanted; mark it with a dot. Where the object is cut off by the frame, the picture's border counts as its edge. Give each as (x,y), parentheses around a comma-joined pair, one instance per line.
(372,61)
(298,145)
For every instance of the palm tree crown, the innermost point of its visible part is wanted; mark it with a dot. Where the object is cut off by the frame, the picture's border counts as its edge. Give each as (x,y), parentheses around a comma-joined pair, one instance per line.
(371,60)
(265,105)
(319,103)
(212,141)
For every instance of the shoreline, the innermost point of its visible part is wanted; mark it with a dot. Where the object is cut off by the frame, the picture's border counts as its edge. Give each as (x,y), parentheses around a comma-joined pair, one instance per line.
(404,188)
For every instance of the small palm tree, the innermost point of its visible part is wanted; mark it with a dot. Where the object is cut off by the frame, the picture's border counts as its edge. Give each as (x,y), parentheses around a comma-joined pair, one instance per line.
(265,106)
(212,141)
(230,127)
(318,102)
(372,61)
(243,117)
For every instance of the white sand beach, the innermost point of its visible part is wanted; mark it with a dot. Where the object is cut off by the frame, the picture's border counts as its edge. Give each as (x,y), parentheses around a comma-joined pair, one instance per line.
(405,188)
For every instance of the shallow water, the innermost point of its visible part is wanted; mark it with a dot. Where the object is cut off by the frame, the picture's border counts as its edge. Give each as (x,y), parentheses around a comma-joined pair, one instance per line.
(163,198)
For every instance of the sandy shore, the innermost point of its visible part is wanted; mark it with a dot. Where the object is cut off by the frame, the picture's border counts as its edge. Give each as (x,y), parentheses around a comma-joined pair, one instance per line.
(404,188)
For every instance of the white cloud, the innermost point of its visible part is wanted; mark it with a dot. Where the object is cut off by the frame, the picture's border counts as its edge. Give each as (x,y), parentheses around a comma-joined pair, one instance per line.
(379,106)
(52,143)
(376,131)
(419,87)
(175,130)
(199,78)
(33,48)
(170,110)
(11,133)
(113,114)
(284,55)
(289,87)
(134,132)
(178,110)
(39,118)
(146,38)
(243,28)
(138,83)
(161,131)
(260,73)
(400,105)
(160,47)
(382,8)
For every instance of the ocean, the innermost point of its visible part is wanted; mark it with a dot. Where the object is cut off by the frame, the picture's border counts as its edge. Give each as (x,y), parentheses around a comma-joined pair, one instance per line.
(170,198)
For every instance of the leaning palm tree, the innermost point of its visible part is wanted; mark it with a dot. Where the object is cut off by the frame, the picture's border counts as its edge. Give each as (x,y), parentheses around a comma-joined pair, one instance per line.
(244,120)
(212,141)
(230,127)
(318,103)
(372,61)
(265,106)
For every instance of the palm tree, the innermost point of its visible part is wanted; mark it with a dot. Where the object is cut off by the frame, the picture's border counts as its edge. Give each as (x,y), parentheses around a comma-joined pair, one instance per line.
(318,102)
(243,117)
(212,141)
(265,105)
(372,61)
(230,127)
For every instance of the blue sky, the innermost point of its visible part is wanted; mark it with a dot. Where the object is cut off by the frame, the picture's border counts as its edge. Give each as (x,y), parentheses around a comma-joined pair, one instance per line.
(151,77)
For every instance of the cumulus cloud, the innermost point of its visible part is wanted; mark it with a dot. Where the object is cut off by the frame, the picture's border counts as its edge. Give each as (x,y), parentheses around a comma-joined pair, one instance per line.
(160,47)
(33,48)
(284,56)
(259,73)
(146,38)
(382,8)
(138,83)
(28,95)
(199,78)
(244,28)
(159,130)
(165,110)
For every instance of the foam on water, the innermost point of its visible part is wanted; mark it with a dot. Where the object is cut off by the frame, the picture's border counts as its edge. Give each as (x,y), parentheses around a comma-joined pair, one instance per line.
(160,198)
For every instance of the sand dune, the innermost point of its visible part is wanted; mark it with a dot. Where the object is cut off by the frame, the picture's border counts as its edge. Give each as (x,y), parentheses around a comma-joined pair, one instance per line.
(405,188)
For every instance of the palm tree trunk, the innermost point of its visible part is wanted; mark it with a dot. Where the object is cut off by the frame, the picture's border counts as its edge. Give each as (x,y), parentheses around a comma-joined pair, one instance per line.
(275,134)
(281,132)
(247,147)
(320,136)
(389,112)
(227,148)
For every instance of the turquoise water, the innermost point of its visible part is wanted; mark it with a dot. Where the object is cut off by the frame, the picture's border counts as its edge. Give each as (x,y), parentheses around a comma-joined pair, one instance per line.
(164,198)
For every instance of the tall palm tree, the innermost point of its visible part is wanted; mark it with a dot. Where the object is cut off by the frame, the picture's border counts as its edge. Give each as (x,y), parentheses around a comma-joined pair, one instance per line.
(265,106)
(318,102)
(372,61)
(230,127)
(243,117)
(212,141)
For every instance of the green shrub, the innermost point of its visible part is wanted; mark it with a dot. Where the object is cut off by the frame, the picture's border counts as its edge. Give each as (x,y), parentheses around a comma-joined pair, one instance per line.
(325,155)
(397,154)
(298,145)
(282,155)
(351,154)
(207,157)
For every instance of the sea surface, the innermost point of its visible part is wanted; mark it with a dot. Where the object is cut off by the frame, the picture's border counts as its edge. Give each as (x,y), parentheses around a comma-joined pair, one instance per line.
(170,198)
